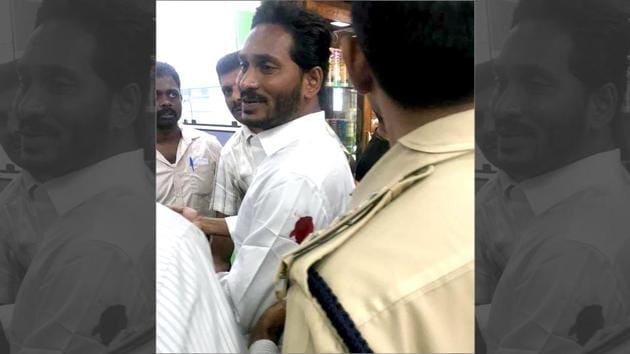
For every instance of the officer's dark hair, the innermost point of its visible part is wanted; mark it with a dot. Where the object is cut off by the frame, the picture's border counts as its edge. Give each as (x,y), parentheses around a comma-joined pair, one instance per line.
(599,33)
(228,63)
(165,69)
(422,53)
(124,32)
(310,32)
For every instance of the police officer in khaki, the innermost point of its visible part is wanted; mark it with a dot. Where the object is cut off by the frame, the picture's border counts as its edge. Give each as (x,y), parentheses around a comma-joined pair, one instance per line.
(396,273)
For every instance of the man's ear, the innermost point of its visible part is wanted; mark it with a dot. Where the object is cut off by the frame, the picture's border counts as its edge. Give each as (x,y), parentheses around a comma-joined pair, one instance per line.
(312,82)
(125,106)
(358,68)
(602,106)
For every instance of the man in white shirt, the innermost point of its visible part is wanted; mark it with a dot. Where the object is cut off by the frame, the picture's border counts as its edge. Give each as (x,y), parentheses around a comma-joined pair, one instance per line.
(90,285)
(193,315)
(302,180)
(559,90)
(500,213)
(236,167)
(186,158)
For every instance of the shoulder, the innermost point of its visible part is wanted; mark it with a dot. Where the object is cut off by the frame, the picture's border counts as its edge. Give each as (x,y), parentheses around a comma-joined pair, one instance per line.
(201,138)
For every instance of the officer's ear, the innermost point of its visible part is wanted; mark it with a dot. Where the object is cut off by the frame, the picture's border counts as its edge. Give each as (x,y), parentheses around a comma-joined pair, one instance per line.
(358,68)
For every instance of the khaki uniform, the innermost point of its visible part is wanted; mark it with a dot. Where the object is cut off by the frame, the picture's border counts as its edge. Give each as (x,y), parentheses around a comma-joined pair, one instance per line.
(401,262)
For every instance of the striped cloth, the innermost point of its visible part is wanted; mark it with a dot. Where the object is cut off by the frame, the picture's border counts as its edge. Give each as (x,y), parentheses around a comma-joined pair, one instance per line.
(193,315)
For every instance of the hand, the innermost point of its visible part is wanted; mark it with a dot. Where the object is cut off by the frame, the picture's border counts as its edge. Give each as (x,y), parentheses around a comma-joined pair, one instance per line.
(189,213)
(271,323)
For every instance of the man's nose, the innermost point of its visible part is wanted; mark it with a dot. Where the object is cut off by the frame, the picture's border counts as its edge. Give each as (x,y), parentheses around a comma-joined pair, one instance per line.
(247,81)
(505,104)
(30,104)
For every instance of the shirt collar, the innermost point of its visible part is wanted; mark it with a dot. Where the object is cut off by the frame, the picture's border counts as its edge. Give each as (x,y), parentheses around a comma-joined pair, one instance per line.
(545,191)
(505,182)
(246,132)
(125,169)
(276,138)
(28,181)
(189,135)
(448,134)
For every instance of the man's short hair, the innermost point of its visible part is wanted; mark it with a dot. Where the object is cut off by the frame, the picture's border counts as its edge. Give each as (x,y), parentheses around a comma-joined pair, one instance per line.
(310,32)
(599,33)
(124,32)
(164,69)
(228,63)
(421,52)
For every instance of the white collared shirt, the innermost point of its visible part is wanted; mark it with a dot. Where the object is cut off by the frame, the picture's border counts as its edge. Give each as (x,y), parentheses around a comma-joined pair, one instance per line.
(501,213)
(190,180)
(234,173)
(303,173)
(568,269)
(26,212)
(193,315)
(91,286)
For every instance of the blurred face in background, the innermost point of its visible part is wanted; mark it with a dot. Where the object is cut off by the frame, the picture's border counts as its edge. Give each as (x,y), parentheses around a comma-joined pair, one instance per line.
(62,106)
(231,93)
(168,102)
(270,81)
(539,106)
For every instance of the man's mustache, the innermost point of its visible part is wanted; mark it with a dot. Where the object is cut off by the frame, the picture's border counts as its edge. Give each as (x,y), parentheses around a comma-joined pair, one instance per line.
(166,112)
(251,95)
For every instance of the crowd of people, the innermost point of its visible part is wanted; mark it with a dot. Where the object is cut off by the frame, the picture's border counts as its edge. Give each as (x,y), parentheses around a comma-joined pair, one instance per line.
(303,259)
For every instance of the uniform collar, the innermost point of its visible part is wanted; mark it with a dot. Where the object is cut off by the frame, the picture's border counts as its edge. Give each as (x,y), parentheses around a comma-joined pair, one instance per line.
(69,191)
(448,134)
(283,135)
(545,191)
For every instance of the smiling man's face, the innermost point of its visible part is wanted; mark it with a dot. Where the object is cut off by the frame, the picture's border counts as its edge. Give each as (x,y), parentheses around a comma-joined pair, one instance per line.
(62,106)
(270,81)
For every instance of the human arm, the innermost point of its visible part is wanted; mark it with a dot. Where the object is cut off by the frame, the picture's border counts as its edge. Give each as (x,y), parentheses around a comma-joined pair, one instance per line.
(263,236)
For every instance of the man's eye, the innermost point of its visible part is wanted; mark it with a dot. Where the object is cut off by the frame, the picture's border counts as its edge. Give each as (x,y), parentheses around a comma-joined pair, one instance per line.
(173,94)
(60,85)
(266,67)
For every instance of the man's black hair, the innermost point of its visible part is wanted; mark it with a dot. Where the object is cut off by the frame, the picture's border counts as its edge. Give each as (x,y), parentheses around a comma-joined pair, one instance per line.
(124,32)
(164,69)
(422,53)
(310,32)
(227,63)
(599,33)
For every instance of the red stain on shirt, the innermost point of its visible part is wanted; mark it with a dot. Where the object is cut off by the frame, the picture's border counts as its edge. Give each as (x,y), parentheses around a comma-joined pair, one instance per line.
(303,228)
